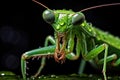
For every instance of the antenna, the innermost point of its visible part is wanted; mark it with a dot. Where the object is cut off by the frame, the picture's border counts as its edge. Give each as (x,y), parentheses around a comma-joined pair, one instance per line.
(94,7)
(40,4)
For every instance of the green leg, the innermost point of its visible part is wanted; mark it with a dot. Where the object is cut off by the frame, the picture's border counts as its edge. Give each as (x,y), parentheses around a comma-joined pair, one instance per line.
(73,56)
(70,55)
(43,60)
(23,67)
(82,66)
(49,39)
(84,49)
(40,52)
(94,53)
(116,63)
(108,59)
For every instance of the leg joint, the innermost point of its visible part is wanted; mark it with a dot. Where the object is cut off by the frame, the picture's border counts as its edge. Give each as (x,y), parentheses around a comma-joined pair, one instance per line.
(24,56)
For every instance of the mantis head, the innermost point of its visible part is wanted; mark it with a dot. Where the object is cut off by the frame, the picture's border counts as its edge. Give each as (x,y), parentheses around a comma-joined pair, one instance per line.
(63,20)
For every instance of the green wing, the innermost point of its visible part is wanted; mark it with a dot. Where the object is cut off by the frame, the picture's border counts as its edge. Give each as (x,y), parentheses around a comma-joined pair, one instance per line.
(107,38)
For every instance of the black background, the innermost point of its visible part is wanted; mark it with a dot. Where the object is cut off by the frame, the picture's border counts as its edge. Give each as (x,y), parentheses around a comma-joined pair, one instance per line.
(22,29)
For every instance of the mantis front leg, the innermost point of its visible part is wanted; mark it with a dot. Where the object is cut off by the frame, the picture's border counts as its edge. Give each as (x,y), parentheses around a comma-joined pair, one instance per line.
(41,52)
(43,60)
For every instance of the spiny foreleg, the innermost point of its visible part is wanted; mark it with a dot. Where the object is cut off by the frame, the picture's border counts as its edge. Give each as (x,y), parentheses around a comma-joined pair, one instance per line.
(41,52)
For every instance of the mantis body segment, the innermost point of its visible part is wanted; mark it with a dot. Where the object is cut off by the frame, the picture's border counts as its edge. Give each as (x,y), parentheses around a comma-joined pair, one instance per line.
(90,42)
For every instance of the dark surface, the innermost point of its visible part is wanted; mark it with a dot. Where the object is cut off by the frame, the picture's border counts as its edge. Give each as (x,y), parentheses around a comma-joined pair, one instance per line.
(61,77)
(22,28)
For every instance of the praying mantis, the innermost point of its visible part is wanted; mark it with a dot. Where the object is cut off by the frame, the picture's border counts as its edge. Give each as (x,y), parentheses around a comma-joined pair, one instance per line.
(72,31)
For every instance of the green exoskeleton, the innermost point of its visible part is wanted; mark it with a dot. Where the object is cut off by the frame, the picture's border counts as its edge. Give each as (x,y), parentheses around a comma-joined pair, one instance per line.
(90,42)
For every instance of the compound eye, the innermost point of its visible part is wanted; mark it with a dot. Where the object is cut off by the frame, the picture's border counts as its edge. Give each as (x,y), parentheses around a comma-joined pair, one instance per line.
(48,16)
(78,18)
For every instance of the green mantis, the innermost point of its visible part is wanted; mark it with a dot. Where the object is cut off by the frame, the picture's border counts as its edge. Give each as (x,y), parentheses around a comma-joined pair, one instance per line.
(72,31)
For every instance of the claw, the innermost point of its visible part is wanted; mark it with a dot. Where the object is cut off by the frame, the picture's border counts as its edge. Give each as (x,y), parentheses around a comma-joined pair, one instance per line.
(56,57)
(59,56)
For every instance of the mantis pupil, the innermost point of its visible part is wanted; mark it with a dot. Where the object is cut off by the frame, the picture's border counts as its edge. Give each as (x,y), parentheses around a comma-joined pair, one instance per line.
(78,18)
(48,16)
